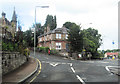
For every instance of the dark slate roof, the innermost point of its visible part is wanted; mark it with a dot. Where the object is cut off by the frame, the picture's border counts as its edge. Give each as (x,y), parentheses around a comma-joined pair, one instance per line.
(62,30)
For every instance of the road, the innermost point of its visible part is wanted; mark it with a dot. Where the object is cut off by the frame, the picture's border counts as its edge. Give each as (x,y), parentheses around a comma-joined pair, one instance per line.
(61,69)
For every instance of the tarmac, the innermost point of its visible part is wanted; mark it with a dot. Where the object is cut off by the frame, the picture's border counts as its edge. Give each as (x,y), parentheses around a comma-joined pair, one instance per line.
(29,68)
(22,73)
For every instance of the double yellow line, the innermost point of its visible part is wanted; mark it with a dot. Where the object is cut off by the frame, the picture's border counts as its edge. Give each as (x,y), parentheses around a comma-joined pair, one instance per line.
(37,73)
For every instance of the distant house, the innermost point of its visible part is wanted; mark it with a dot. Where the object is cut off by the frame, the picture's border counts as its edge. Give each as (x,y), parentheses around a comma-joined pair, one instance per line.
(54,39)
(8,28)
(111,54)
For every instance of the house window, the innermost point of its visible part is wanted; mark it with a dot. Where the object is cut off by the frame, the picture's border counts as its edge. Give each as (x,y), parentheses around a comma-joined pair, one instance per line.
(58,36)
(66,36)
(58,45)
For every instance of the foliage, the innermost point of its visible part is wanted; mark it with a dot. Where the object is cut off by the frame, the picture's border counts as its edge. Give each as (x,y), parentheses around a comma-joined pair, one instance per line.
(91,40)
(9,46)
(119,55)
(28,40)
(98,55)
(74,38)
(43,49)
(4,46)
(26,52)
(53,51)
(114,50)
(67,24)
(51,21)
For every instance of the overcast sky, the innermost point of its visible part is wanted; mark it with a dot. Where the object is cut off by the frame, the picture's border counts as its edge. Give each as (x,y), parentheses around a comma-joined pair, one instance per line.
(102,14)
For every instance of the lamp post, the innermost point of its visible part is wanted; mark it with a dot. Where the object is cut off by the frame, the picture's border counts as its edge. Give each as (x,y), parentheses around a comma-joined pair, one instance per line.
(35,25)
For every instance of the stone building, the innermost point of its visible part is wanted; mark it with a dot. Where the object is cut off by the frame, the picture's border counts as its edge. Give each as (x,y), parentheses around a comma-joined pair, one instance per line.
(7,27)
(54,39)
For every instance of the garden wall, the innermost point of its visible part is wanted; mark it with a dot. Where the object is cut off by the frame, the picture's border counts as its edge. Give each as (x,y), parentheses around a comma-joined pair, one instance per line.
(11,61)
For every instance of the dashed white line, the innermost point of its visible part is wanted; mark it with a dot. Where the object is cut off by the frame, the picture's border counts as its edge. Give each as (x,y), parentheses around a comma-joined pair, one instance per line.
(71,64)
(80,79)
(63,63)
(73,69)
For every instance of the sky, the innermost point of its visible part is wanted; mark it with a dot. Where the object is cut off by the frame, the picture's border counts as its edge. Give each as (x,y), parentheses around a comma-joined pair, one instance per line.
(98,14)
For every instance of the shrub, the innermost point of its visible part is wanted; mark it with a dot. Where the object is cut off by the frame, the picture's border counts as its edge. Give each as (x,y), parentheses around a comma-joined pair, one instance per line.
(46,49)
(53,51)
(26,52)
(43,49)
(10,47)
(4,46)
(119,55)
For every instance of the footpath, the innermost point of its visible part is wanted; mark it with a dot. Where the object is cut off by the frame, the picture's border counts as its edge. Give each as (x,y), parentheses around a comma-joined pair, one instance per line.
(22,73)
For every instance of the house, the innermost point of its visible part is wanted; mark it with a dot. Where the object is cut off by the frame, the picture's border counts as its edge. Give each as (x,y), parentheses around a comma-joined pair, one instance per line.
(54,39)
(8,28)
(111,55)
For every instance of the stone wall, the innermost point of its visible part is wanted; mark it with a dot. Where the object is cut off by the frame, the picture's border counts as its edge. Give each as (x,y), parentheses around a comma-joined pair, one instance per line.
(11,61)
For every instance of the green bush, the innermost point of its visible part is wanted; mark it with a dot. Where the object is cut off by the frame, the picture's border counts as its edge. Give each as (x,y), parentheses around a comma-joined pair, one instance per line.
(46,49)
(119,55)
(53,51)
(43,49)
(10,47)
(16,47)
(26,52)
(4,46)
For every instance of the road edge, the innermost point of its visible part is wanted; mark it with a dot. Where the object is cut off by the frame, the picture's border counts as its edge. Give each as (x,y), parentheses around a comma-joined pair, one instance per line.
(21,81)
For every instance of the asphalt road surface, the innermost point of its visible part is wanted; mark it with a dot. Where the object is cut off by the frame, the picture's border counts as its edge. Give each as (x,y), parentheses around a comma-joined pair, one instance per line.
(61,69)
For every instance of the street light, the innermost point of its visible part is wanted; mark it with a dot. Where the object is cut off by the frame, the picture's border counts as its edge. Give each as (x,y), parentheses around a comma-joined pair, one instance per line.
(35,25)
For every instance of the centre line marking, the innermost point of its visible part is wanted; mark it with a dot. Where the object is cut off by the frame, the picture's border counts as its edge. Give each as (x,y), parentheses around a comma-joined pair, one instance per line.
(71,64)
(73,69)
(80,79)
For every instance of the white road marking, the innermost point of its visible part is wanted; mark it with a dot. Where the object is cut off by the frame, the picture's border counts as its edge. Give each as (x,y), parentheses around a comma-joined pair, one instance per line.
(87,61)
(73,69)
(63,63)
(103,62)
(71,64)
(107,68)
(54,64)
(80,79)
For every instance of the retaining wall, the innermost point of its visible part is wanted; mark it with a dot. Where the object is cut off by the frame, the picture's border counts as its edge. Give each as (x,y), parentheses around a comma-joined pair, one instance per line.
(11,61)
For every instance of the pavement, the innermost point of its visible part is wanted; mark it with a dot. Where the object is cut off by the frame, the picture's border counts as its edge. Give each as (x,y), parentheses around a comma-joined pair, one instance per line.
(22,73)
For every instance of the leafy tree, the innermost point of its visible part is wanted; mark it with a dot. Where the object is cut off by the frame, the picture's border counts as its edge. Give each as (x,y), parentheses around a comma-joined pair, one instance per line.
(75,42)
(28,38)
(67,24)
(51,21)
(39,30)
(91,40)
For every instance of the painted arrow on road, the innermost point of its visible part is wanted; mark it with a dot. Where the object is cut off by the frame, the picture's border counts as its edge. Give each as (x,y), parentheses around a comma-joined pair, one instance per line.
(53,64)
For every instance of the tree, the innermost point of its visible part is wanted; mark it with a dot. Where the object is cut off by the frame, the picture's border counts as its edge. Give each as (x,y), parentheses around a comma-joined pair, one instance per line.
(91,40)
(75,41)
(28,40)
(51,21)
(67,24)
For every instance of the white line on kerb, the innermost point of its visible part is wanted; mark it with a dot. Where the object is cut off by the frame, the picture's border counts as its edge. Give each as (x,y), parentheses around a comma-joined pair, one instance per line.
(107,68)
(73,69)
(80,79)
